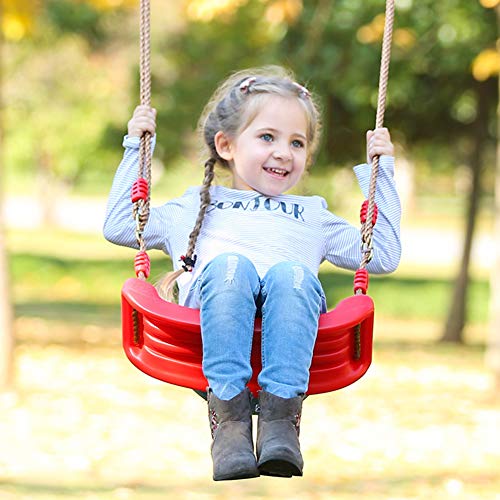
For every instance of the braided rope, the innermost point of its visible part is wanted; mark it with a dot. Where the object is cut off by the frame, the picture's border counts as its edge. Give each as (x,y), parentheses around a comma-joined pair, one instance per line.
(367,227)
(142,207)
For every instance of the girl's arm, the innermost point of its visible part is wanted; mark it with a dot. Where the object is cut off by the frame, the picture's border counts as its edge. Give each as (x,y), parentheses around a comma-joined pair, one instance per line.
(119,224)
(386,232)
(343,240)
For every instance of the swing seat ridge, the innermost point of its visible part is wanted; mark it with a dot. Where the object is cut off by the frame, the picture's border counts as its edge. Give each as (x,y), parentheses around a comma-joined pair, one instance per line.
(163,340)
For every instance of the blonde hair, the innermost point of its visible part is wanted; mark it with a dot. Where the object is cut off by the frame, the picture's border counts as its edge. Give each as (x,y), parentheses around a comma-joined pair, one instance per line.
(231,109)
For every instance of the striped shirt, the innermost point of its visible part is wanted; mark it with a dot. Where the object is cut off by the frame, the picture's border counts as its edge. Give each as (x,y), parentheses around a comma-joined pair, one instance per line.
(266,230)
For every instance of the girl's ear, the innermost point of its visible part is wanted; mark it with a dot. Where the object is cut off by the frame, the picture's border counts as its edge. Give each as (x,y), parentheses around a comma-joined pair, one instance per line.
(223,146)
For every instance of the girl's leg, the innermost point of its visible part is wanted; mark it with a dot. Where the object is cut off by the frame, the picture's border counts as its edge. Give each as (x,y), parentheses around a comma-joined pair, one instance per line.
(292,302)
(228,289)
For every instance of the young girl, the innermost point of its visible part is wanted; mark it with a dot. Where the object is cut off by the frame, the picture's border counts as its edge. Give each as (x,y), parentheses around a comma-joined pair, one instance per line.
(258,252)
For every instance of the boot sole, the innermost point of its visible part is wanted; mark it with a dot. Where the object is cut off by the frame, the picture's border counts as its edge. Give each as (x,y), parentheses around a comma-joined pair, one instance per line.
(245,474)
(279,468)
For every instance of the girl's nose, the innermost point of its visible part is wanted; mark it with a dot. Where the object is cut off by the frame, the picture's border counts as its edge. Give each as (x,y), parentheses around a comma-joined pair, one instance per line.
(282,153)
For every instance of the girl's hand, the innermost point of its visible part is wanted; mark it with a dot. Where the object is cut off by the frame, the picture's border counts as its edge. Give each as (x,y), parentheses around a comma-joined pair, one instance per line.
(143,120)
(378,143)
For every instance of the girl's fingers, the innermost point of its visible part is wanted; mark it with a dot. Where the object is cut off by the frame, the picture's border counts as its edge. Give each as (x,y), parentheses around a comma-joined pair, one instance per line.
(385,149)
(378,137)
(378,143)
(143,120)
(145,111)
(379,152)
(380,134)
(143,107)
(137,127)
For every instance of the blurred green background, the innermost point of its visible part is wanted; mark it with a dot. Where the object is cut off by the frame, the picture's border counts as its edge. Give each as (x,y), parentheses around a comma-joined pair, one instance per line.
(78,421)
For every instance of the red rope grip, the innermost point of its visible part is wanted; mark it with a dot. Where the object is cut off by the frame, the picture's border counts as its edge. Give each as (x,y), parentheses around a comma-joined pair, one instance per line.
(364,213)
(140,190)
(142,264)
(361,279)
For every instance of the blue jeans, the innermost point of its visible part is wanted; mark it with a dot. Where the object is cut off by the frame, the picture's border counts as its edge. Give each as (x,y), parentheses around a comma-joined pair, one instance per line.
(290,300)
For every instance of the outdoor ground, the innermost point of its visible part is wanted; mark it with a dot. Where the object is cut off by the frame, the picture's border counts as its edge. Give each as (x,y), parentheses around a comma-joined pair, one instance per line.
(84,423)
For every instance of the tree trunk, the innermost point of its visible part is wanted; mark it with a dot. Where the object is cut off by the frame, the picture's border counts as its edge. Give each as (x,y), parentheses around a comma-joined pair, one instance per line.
(6,331)
(457,314)
(493,345)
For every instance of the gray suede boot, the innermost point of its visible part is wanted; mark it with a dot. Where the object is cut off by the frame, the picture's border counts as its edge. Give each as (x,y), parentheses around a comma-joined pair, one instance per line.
(232,446)
(278,448)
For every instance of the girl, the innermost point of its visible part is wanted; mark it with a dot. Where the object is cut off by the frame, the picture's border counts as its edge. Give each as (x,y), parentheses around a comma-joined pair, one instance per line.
(258,251)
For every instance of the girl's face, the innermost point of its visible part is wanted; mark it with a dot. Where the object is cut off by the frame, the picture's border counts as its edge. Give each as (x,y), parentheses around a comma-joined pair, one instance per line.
(269,156)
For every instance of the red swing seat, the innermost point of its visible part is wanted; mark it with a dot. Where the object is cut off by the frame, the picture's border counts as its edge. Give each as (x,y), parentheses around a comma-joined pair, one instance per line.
(163,340)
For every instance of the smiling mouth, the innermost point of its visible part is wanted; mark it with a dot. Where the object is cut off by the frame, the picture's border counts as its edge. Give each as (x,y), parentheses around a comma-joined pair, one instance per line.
(277,171)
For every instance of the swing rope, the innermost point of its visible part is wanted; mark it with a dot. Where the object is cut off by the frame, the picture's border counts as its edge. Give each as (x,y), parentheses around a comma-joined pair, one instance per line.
(369,222)
(141,196)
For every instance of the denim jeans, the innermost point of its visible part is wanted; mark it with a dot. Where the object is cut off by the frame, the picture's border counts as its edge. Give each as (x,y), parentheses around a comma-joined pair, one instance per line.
(290,300)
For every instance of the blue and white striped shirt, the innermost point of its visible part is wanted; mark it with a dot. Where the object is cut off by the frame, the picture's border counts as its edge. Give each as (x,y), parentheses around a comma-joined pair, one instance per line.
(266,230)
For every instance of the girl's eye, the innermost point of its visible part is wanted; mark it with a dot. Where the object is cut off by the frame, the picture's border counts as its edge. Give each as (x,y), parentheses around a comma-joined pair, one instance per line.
(267,137)
(297,143)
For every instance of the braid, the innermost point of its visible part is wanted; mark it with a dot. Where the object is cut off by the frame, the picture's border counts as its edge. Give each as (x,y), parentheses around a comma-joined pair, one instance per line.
(165,286)
(204,203)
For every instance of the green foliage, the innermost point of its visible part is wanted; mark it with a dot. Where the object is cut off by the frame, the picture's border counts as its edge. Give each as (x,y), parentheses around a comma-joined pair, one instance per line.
(69,84)
(96,24)
(201,56)
(62,118)
(439,97)
(432,94)
(75,17)
(63,93)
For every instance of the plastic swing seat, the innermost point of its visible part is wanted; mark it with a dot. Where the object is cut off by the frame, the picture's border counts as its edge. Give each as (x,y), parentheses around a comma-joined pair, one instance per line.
(163,340)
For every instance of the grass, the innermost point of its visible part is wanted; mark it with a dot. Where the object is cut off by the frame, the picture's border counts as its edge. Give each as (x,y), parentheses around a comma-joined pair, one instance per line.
(83,423)
(43,284)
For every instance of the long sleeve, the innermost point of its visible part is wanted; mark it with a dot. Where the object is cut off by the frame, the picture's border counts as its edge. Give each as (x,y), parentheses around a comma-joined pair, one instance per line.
(343,240)
(119,224)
